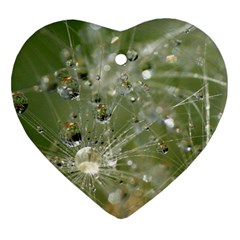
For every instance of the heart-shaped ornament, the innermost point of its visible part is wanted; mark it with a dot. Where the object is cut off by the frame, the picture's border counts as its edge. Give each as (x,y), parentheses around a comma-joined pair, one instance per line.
(120,114)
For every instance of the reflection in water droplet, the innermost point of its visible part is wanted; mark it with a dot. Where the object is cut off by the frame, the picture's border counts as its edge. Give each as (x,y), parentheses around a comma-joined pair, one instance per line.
(171,59)
(162,147)
(20,102)
(132,55)
(70,134)
(102,114)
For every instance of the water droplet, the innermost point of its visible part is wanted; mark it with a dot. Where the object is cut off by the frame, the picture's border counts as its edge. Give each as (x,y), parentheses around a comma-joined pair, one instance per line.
(48,83)
(96,98)
(88,83)
(134,166)
(37,88)
(73,115)
(147,178)
(68,87)
(185,145)
(71,63)
(147,74)
(135,119)
(120,59)
(106,68)
(65,54)
(124,77)
(152,138)
(87,160)
(133,99)
(125,87)
(58,162)
(114,39)
(169,122)
(143,85)
(20,102)
(162,147)
(199,95)
(177,129)
(115,197)
(77,69)
(132,55)
(102,113)
(98,77)
(177,42)
(40,129)
(129,162)
(70,134)
(171,59)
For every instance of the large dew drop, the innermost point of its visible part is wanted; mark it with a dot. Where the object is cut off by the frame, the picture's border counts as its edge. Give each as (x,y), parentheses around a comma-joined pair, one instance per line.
(87,160)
